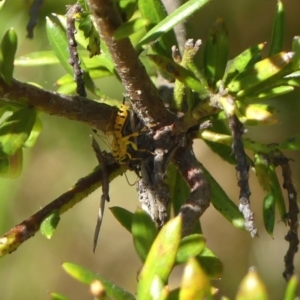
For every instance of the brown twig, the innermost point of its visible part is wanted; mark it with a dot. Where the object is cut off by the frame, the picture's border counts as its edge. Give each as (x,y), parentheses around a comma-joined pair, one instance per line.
(292,215)
(139,88)
(237,131)
(74,60)
(97,115)
(10,241)
(199,198)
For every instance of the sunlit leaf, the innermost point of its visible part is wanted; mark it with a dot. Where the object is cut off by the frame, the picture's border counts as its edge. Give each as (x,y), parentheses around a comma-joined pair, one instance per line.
(58,41)
(291,289)
(194,284)
(252,287)
(177,16)
(161,257)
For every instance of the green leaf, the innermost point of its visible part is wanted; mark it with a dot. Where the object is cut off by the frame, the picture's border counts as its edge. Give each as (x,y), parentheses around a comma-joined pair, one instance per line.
(39,58)
(242,61)
(257,78)
(275,91)
(143,232)
(56,296)
(2,3)
(161,257)
(252,287)
(212,266)
(180,73)
(223,204)
(177,16)
(296,49)
(278,30)
(11,166)
(68,88)
(158,291)
(215,53)
(126,8)
(123,216)
(49,225)
(224,151)
(130,27)
(179,190)
(269,212)
(87,277)
(255,114)
(195,284)
(190,246)
(277,193)
(291,289)
(34,134)
(155,12)
(9,46)
(291,143)
(49,58)
(58,41)
(15,130)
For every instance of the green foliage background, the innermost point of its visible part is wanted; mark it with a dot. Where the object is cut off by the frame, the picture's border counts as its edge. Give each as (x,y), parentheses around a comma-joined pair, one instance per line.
(63,154)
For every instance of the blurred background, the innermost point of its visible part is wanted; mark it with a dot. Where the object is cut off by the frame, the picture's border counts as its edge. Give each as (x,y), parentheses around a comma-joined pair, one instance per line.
(63,154)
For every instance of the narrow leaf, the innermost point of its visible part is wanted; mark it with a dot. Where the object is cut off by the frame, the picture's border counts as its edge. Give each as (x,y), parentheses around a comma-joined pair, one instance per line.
(178,188)
(123,216)
(177,16)
(161,257)
(277,193)
(11,166)
(291,143)
(180,73)
(190,246)
(143,232)
(252,287)
(155,12)
(128,28)
(223,204)
(9,46)
(240,62)
(39,58)
(58,41)
(195,284)
(87,277)
(258,76)
(278,30)
(212,266)
(56,296)
(269,212)
(34,134)
(49,225)
(15,130)
(291,289)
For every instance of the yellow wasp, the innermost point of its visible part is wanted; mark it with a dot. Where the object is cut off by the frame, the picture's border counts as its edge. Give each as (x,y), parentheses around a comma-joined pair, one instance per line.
(119,143)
